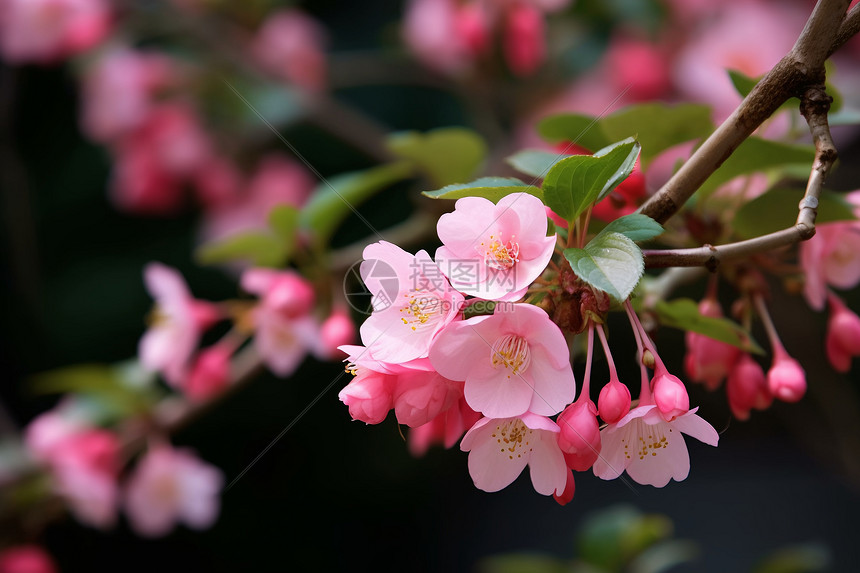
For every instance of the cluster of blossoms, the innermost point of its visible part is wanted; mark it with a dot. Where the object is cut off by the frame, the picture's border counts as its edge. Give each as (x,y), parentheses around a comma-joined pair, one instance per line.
(500,377)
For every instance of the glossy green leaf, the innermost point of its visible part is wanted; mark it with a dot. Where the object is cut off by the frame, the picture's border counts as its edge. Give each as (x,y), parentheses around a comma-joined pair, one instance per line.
(577,182)
(447,155)
(636,227)
(777,209)
(492,188)
(756,155)
(683,313)
(610,262)
(258,248)
(535,162)
(582,130)
(334,200)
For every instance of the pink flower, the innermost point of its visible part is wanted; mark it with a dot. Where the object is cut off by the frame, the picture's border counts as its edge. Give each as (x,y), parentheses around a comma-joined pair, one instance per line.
(277,181)
(446,428)
(670,394)
(579,436)
(843,335)
(499,449)
(502,247)
(210,374)
(217,183)
(614,401)
(640,67)
(524,43)
(649,448)
(337,330)
(26,559)
(831,257)
(369,396)
(420,396)
(170,486)
(178,322)
(708,360)
(118,91)
(786,379)
(747,388)
(566,496)
(513,361)
(290,44)
(285,330)
(430,29)
(412,302)
(46,30)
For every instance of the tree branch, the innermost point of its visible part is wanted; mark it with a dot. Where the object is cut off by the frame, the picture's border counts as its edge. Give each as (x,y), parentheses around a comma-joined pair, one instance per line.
(800,69)
(814,106)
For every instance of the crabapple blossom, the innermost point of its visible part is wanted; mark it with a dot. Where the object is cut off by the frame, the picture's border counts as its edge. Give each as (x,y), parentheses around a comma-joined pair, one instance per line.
(515,360)
(169,486)
(709,361)
(285,331)
(499,449)
(831,257)
(336,331)
(210,373)
(177,324)
(786,379)
(369,396)
(46,30)
(446,428)
(613,403)
(420,396)
(747,388)
(412,302)
(669,394)
(579,435)
(649,448)
(26,559)
(504,247)
(843,335)
(290,45)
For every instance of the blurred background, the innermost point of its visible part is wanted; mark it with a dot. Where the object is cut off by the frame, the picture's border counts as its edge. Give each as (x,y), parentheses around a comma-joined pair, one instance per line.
(332,494)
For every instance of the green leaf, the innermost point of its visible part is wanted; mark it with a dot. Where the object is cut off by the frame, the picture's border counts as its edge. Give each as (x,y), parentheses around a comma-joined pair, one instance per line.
(258,248)
(535,162)
(333,201)
(492,188)
(756,155)
(744,84)
(657,127)
(284,220)
(636,227)
(683,313)
(612,537)
(610,262)
(522,563)
(448,155)
(664,556)
(577,182)
(777,209)
(808,558)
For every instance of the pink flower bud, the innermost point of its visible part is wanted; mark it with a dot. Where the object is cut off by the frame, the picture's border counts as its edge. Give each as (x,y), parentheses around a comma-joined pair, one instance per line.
(670,395)
(472,27)
(843,335)
(566,496)
(290,294)
(368,396)
(579,437)
(708,360)
(555,218)
(747,388)
(613,402)
(210,374)
(786,379)
(337,330)
(524,44)
(26,559)
(205,314)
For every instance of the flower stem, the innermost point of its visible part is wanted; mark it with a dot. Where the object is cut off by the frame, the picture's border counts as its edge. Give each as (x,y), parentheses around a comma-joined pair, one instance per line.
(613,373)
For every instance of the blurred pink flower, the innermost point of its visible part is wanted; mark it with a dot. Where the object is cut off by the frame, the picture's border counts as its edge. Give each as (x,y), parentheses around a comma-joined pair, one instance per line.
(746,388)
(210,374)
(46,30)
(786,379)
(178,322)
(709,361)
(524,38)
(170,486)
(118,91)
(291,45)
(503,247)
(513,361)
(843,334)
(430,29)
(831,257)
(499,450)
(640,66)
(649,448)
(337,330)
(26,559)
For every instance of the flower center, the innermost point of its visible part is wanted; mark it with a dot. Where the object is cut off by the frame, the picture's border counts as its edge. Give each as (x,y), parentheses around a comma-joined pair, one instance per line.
(498,255)
(644,440)
(512,437)
(512,352)
(421,310)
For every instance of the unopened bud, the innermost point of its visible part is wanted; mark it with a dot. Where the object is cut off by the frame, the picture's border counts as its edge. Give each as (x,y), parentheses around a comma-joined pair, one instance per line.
(670,395)
(786,379)
(613,402)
